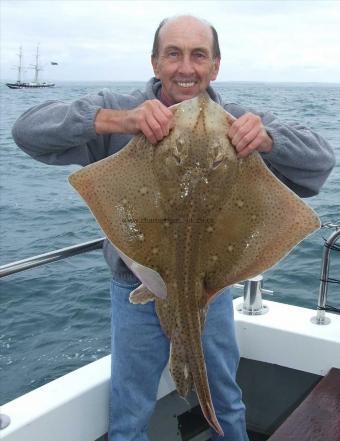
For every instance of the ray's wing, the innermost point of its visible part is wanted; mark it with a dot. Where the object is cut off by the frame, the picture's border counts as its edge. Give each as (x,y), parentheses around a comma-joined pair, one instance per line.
(123,195)
(259,224)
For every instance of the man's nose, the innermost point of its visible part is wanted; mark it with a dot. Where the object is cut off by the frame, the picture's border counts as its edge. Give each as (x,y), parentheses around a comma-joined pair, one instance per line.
(186,66)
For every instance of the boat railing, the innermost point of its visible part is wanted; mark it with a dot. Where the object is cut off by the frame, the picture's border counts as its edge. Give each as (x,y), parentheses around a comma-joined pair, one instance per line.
(63,253)
(330,245)
(252,288)
(53,256)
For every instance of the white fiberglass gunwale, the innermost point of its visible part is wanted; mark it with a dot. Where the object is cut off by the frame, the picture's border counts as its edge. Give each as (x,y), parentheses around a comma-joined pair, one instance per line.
(75,406)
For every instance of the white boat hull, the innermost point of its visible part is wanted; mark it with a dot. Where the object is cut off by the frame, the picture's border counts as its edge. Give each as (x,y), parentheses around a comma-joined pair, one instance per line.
(75,407)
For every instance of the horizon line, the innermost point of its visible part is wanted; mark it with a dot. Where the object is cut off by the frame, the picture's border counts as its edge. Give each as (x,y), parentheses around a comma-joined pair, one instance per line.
(4,81)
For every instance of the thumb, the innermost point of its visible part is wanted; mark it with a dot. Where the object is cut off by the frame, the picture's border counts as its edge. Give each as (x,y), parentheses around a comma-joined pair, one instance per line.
(230,118)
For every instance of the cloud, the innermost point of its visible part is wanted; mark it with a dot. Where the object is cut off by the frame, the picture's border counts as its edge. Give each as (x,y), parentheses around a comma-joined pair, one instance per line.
(111,40)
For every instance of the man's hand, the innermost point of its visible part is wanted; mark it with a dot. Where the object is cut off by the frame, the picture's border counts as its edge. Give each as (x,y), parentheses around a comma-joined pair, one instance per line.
(151,118)
(247,134)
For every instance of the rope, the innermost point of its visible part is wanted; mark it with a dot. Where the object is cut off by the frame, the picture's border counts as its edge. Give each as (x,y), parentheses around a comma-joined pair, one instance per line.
(335,247)
(329,308)
(331,224)
(330,280)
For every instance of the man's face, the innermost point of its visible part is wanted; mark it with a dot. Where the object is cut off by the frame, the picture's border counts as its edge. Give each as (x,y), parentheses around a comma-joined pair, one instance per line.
(185,63)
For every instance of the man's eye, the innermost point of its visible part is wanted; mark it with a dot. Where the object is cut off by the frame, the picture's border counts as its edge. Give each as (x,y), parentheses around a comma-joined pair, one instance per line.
(200,55)
(173,54)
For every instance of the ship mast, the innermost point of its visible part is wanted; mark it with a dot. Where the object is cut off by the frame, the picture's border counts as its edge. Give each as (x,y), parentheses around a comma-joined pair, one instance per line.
(19,67)
(36,66)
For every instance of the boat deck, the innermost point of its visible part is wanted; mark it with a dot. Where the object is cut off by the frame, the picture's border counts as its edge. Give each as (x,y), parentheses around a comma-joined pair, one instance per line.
(318,416)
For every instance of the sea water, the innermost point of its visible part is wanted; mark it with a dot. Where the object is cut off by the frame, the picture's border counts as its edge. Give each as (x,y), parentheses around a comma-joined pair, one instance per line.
(56,318)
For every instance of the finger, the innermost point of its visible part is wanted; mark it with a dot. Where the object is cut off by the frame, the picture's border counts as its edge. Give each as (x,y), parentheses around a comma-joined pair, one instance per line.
(241,129)
(168,120)
(237,124)
(154,120)
(164,120)
(247,139)
(148,133)
(250,148)
(168,112)
(157,117)
(156,126)
(230,118)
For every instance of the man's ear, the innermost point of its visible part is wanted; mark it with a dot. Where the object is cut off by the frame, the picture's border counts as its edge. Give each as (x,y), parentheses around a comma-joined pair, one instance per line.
(216,68)
(154,62)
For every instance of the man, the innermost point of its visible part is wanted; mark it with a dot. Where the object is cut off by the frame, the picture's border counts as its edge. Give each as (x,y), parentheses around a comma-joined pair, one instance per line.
(185,59)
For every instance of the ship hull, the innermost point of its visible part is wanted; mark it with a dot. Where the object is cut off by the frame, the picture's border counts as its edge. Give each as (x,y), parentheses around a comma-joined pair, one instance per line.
(29,85)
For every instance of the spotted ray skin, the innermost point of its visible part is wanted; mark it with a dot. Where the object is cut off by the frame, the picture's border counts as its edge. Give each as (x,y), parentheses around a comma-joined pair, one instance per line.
(201,218)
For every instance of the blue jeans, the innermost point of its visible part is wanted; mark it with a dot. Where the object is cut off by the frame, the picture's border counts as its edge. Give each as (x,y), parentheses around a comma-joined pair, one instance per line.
(140,352)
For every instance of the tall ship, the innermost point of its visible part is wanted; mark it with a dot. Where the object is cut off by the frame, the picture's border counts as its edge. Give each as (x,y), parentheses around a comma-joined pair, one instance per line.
(19,84)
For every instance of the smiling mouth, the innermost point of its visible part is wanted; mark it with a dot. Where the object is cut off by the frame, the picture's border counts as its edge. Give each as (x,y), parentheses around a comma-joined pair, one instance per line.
(185,84)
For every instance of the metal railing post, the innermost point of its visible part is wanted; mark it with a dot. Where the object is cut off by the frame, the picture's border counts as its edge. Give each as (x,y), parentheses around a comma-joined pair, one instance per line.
(320,318)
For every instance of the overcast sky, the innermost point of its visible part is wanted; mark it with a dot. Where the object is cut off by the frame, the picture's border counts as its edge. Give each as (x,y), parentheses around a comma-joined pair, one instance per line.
(273,40)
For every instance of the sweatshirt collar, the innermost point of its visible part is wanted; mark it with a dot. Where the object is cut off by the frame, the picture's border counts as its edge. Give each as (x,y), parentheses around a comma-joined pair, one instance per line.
(154,90)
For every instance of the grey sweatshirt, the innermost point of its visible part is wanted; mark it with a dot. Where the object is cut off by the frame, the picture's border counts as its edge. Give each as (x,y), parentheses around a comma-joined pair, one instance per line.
(61,133)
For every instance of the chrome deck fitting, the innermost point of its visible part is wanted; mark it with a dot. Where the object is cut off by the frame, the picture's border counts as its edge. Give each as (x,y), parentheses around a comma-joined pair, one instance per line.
(252,296)
(5,421)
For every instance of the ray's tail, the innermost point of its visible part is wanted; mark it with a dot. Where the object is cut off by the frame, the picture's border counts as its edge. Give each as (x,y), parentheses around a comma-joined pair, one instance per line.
(179,367)
(188,369)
